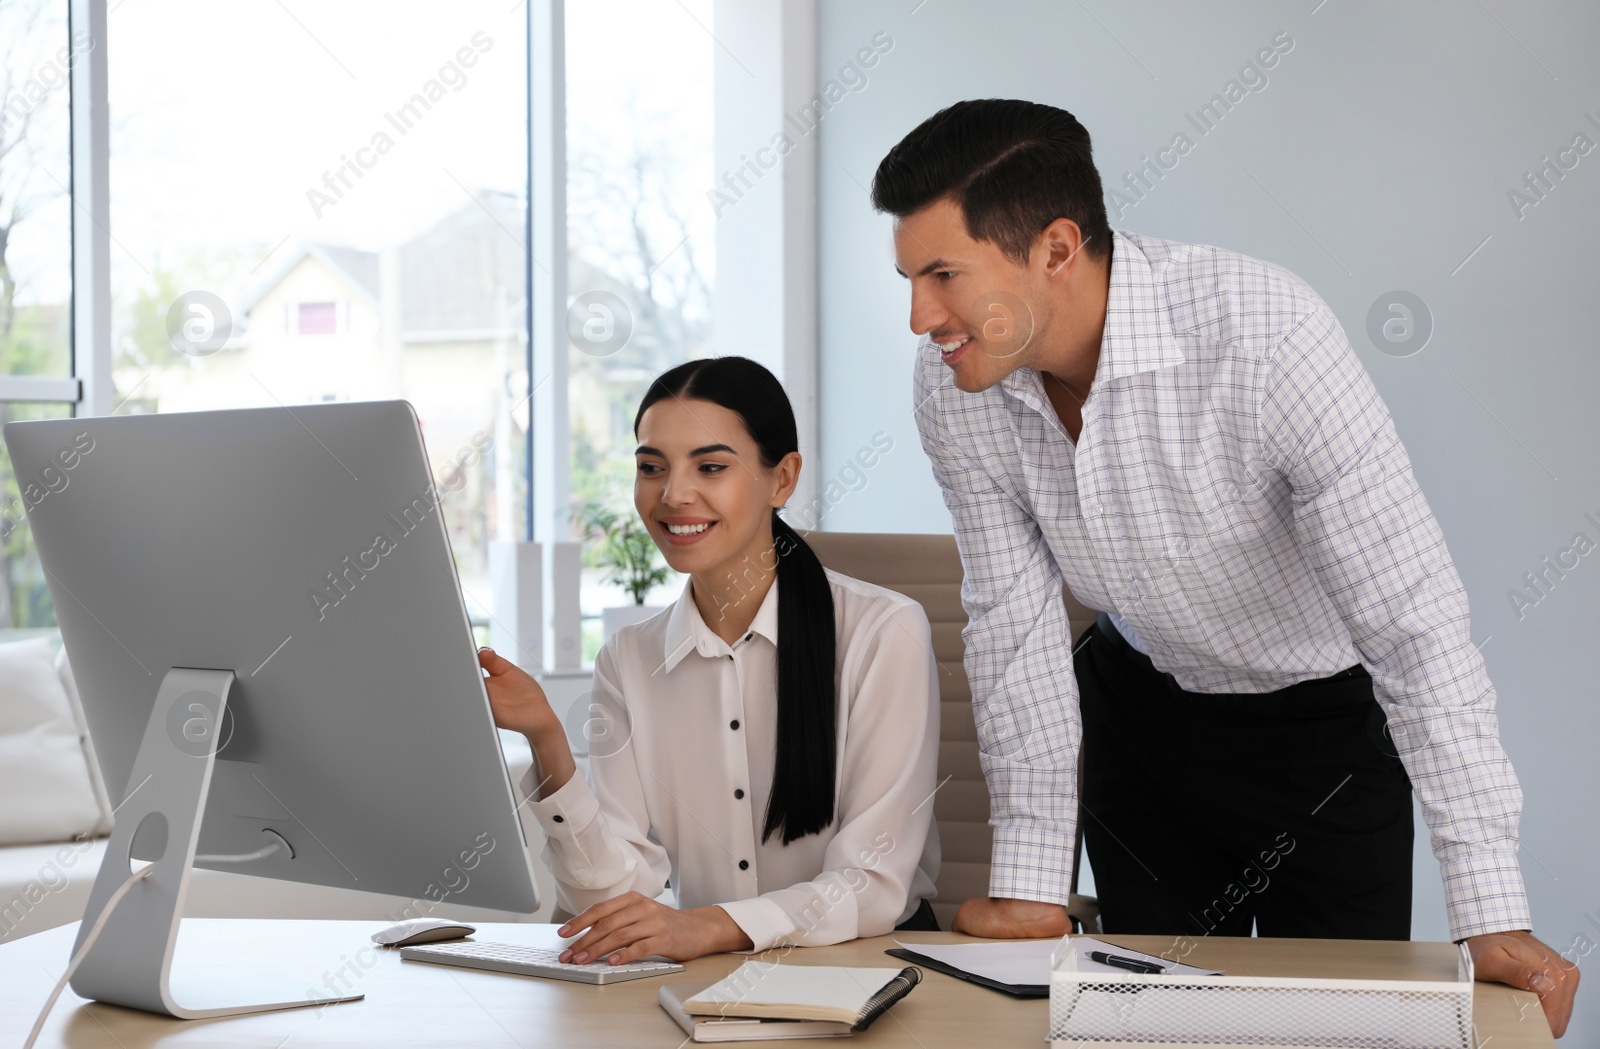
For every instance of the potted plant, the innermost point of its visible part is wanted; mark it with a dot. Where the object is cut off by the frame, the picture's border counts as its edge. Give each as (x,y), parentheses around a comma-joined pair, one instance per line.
(631,561)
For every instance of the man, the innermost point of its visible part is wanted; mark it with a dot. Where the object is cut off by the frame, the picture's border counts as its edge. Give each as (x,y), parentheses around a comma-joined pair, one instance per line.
(1184,435)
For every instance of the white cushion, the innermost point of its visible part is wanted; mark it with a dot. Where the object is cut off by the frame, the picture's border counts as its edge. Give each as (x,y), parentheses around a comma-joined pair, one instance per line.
(45,790)
(96,780)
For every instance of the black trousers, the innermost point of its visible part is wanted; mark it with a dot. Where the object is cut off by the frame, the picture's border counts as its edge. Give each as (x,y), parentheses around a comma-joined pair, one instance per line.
(1206,812)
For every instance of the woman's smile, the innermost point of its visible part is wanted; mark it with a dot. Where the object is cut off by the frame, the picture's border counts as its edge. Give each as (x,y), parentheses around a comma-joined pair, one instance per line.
(685,531)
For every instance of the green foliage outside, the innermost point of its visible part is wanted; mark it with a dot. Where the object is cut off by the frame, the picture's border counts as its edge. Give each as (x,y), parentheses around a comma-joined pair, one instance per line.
(35,345)
(626,550)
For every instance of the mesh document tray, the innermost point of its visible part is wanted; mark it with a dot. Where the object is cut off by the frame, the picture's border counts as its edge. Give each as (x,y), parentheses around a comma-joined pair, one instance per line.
(1237,1009)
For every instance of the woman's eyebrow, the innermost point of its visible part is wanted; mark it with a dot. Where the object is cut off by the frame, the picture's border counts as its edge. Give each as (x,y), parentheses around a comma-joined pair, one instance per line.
(645,449)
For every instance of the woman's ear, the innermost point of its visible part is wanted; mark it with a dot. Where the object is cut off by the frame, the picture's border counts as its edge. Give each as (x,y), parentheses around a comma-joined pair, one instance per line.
(787,475)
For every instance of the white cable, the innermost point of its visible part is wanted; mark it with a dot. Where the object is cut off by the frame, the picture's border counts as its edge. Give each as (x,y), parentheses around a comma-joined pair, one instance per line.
(88,942)
(277,845)
(243,857)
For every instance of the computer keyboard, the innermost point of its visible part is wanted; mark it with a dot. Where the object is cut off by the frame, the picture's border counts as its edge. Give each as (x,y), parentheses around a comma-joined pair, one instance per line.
(533,961)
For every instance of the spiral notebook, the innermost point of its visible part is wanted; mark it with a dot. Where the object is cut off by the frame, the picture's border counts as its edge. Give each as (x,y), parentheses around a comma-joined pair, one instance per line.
(825,1000)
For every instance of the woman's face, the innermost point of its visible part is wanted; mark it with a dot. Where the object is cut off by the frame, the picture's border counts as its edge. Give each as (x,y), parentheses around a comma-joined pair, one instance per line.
(701,488)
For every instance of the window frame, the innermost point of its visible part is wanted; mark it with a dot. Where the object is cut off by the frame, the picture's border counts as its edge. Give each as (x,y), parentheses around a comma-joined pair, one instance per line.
(63,389)
(68,389)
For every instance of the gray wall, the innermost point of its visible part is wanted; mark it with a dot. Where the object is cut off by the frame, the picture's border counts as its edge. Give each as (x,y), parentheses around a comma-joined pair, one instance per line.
(1377,158)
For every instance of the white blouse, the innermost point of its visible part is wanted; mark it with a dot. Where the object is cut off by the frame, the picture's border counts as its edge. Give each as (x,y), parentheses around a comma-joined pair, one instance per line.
(681,729)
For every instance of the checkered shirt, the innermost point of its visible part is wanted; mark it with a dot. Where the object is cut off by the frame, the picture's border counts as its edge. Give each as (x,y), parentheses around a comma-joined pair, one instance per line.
(1239,498)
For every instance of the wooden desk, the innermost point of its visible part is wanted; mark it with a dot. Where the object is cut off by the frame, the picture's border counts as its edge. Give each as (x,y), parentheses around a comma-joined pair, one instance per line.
(413,1004)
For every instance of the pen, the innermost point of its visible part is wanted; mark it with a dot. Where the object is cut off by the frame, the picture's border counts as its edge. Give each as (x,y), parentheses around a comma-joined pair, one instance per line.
(1130,964)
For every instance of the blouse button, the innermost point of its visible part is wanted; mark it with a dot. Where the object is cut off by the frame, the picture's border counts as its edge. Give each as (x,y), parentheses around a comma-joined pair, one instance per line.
(744,865)
(734,724)
(738,795)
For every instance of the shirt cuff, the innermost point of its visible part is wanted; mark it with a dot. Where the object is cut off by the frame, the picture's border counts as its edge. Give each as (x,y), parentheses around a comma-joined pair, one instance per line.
(565,813)
(1031,863)
(1483,899)
(766,923)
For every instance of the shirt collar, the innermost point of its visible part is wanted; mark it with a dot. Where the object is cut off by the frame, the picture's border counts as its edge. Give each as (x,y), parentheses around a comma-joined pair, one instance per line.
(687,631)
(1138,331)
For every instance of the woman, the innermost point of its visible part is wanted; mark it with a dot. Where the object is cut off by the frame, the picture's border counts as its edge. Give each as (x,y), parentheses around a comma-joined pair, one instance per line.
(767,745)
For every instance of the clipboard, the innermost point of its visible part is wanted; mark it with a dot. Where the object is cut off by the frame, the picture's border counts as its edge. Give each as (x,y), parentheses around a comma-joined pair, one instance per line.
(1015,990)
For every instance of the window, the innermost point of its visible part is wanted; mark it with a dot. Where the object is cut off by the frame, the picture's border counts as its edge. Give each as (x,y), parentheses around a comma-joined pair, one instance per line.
(375,202)
(36,57)
(332,173)
(317,318)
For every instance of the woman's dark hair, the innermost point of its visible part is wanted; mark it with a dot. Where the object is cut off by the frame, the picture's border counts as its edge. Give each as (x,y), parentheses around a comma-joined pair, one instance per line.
(802,796)
(1013,168)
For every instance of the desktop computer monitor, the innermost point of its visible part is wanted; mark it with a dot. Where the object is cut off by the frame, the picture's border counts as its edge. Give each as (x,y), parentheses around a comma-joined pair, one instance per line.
(263,618)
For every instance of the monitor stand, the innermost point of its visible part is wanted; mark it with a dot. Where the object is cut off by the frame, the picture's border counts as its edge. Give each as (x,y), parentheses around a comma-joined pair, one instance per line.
(130,963)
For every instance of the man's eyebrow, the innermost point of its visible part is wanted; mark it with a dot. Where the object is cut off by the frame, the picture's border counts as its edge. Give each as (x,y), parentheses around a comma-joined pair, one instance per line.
(645,449)
(932,267)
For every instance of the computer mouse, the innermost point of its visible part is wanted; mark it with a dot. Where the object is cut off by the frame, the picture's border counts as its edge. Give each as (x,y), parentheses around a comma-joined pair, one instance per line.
(421,930)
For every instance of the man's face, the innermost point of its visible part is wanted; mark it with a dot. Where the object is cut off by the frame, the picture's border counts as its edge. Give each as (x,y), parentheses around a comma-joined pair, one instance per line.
(982,308)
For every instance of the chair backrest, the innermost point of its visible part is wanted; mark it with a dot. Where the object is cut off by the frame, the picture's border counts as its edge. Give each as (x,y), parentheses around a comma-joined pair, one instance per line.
(927,568)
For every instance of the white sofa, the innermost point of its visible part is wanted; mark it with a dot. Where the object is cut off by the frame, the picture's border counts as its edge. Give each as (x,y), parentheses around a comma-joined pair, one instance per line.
(43,885)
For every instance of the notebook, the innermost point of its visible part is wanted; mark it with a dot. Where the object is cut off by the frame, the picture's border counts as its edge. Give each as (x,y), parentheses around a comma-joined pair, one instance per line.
(739,1028)
(853,997)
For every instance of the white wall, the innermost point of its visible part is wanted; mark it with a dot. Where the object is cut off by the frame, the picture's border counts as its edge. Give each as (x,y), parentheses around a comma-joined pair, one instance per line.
(1377,158)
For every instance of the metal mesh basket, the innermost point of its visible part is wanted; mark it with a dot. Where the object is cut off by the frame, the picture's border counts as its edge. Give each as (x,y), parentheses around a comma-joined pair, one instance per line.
(1126,1009)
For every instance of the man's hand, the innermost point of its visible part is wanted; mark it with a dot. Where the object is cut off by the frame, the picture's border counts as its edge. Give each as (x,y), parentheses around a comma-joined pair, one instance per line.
(1516,958)
(1007,919)
(629,927)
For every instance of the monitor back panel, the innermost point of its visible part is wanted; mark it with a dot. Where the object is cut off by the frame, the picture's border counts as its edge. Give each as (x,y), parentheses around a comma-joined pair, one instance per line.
(302,548)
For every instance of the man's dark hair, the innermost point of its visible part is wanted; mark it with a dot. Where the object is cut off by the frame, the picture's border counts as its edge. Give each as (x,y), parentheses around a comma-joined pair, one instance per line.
(1013,167)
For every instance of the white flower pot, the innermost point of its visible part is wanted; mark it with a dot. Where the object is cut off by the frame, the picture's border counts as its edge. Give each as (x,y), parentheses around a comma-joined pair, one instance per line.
(618,616)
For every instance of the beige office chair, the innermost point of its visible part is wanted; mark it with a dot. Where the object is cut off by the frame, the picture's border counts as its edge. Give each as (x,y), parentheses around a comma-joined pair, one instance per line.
(927,568)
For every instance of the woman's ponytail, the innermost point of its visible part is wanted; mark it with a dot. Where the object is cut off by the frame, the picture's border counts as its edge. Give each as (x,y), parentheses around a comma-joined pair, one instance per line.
(802,796)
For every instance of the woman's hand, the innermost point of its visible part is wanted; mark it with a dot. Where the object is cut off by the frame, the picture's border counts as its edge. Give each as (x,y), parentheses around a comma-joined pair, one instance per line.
(519,704)
(629,927)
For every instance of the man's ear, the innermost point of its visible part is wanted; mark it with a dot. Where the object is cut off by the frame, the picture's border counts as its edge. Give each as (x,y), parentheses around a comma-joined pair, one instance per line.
(787,476)
(1059,248)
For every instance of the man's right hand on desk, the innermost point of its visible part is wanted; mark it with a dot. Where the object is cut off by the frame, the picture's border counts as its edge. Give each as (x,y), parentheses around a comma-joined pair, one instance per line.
(1518,959)
(1008,919)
